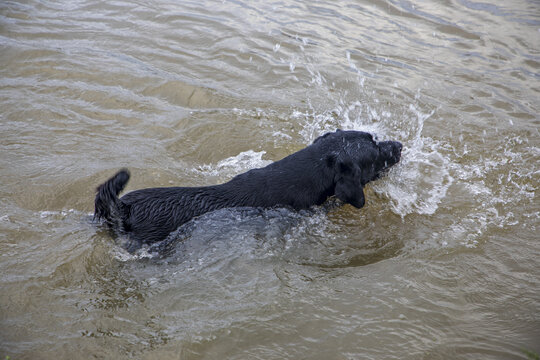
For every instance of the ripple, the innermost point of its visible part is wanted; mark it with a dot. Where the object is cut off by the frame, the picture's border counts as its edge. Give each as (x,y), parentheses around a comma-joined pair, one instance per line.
(441,262)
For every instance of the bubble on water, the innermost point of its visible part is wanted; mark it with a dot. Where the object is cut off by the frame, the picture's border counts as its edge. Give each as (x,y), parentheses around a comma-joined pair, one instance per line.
(51,216)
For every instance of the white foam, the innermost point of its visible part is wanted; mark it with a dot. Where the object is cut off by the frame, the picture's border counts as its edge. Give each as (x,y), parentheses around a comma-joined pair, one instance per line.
(50,216)
(123,255)
(234,165)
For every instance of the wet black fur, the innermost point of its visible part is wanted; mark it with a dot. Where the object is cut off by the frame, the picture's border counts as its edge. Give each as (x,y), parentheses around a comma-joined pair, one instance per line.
(338,163)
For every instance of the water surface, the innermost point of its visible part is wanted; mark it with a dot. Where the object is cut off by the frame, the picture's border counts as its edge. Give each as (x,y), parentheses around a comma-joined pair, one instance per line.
(441,263)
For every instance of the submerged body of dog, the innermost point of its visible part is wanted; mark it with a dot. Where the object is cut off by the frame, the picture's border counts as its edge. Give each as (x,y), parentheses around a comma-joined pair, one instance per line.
(336,164)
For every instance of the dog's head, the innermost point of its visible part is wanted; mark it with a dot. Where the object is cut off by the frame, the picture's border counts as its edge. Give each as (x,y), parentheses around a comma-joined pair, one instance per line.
(356,159)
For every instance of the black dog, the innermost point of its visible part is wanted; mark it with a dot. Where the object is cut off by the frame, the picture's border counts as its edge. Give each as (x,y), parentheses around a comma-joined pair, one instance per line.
(338,163)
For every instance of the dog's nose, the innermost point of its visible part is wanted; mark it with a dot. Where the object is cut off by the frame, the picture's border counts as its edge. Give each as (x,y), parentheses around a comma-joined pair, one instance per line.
(398,147)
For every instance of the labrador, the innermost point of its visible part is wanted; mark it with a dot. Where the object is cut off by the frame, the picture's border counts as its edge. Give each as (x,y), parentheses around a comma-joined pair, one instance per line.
(337,164)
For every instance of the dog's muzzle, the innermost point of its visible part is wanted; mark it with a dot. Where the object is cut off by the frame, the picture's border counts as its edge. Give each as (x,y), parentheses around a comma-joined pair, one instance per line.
(390,152)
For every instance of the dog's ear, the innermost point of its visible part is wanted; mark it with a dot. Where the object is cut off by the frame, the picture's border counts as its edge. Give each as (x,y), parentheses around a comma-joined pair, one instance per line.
(349,185)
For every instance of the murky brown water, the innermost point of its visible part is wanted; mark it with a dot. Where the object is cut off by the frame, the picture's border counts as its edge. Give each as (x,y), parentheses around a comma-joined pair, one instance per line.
(442,263)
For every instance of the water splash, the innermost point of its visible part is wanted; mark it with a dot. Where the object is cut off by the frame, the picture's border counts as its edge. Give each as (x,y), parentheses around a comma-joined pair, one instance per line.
(421,181)
(342,116)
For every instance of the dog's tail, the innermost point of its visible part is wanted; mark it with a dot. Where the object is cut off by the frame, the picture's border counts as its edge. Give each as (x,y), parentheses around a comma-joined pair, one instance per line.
(107,204)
